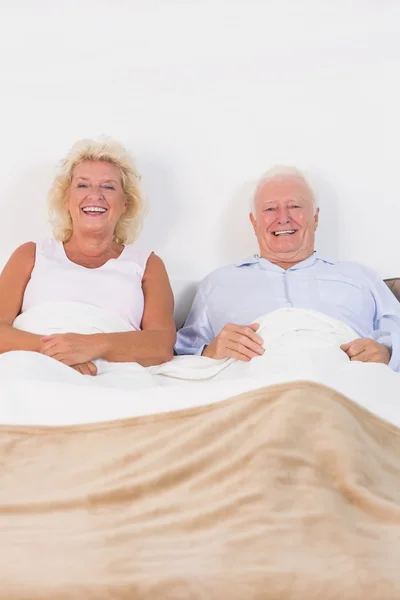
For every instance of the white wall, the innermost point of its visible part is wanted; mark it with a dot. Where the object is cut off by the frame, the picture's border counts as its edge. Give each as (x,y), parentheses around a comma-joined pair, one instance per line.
(208,94)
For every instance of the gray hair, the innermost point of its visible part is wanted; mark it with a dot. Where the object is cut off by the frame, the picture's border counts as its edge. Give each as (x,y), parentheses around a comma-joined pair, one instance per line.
(281,172)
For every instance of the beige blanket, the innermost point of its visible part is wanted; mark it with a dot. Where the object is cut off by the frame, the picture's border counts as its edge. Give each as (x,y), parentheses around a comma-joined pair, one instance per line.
(289,492)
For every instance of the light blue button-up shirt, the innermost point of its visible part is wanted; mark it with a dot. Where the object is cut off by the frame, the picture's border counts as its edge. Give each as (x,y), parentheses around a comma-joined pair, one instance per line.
(244,292)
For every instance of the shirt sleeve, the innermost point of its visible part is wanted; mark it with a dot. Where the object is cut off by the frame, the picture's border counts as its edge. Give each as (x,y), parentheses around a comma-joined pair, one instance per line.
(196,331)
(387,321)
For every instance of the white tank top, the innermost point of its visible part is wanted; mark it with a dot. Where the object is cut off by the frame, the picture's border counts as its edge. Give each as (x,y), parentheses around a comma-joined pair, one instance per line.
(115,287)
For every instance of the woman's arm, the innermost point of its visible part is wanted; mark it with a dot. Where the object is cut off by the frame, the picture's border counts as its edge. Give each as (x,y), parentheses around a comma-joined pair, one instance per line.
(152,345)
(13,281)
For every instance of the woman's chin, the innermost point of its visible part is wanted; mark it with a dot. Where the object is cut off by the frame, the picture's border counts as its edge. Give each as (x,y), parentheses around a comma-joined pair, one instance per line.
(91,227)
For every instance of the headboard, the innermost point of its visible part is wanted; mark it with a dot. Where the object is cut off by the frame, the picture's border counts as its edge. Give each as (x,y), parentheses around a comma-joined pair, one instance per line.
(184,292)
(394,285)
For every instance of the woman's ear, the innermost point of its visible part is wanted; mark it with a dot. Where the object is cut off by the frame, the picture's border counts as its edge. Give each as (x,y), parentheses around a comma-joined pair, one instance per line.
(66,198)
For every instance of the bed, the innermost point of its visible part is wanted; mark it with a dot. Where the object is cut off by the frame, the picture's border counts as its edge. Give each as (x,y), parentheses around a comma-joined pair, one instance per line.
(201,480)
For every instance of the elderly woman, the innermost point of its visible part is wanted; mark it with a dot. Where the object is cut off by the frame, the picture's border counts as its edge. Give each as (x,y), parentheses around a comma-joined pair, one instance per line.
(95,208)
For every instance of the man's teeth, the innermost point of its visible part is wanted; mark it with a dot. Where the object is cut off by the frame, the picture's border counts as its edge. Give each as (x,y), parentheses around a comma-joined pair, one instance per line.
(287,231)
(94,209)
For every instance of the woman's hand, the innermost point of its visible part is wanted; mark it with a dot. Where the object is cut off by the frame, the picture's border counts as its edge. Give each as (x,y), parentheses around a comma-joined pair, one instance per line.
(88,368)
(71,348)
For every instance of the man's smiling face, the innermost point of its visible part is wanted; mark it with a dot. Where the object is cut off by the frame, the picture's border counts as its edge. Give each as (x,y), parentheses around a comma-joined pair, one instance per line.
(284,220)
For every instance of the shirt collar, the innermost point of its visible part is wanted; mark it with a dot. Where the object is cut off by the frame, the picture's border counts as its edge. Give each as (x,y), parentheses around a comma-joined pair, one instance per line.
(266,264)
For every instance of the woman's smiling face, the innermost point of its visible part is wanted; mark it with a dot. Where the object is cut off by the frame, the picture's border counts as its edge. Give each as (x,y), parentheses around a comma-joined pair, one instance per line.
(96,197)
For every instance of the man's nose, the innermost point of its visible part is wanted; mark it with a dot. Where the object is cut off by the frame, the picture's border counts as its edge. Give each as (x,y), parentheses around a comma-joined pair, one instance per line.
(283,215)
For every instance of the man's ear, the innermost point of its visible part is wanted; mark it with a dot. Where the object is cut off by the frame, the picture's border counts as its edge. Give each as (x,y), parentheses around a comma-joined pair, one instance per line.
(316,218)
(253,222)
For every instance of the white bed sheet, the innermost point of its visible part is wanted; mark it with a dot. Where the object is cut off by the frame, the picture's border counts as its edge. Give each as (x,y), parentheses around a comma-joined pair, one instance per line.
(299,345)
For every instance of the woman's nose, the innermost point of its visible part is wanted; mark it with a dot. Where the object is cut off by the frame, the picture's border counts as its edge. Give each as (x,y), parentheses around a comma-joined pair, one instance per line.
(95,192)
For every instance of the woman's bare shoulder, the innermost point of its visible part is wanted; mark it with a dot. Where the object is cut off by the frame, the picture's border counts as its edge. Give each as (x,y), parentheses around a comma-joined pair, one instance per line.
(22,257)
(26,250)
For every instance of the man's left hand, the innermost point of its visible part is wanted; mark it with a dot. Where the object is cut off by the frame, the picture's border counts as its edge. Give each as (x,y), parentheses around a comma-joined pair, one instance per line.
(367,350)
(70,348)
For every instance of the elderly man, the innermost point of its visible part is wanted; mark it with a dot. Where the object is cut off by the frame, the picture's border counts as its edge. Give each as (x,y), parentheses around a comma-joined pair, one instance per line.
(288,272)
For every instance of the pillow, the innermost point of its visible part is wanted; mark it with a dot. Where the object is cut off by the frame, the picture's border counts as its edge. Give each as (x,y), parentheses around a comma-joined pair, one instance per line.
(394,285)
(184,293)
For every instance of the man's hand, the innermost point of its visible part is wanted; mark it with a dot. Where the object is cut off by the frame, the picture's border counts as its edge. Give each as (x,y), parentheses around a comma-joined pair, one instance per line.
(236,341)
(367,350)
(70,348)
(88,368)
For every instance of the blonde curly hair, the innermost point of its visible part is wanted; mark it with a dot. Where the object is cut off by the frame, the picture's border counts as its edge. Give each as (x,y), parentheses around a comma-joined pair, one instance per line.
(109,150)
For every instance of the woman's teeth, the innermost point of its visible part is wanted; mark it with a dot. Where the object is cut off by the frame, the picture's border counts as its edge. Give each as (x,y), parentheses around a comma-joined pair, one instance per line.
(94,209)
